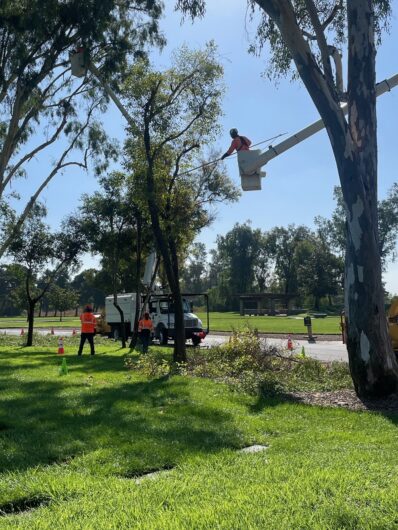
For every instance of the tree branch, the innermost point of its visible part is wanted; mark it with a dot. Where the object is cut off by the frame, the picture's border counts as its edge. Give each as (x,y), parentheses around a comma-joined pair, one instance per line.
(58,167)
(322,44)
(34,152)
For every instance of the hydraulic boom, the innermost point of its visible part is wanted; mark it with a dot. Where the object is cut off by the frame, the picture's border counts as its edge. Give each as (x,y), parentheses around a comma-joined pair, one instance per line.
(253,165)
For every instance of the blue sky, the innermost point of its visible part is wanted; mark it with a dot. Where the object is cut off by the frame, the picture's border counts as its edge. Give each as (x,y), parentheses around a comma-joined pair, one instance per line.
(299,183)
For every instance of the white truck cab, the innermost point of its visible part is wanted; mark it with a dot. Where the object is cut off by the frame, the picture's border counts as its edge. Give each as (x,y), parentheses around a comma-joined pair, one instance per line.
(161,310)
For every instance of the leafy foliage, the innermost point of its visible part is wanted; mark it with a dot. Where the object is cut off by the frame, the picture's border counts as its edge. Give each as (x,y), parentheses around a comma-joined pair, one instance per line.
(248,364)
(42,107)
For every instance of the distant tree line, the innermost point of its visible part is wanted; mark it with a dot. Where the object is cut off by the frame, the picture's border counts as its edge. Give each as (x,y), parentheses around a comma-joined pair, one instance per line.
(292,259)
(42,269)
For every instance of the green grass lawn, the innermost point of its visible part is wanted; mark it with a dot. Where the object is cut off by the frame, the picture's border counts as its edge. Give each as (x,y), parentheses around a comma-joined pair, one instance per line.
(218,322)
(42,322)
(265,324)
(72,448)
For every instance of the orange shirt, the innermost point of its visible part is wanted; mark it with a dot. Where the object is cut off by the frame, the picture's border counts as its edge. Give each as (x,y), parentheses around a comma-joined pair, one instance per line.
(145,324)
(88,322)
(239,145)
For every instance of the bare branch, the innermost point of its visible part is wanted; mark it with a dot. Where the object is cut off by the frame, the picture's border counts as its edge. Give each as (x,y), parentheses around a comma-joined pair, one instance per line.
(321,40)
(34,152)
(177,135)
(176,92)
(338,7)
(61,164)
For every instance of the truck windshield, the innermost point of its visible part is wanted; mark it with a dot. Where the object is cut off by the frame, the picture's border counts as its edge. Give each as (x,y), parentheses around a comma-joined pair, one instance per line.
(168,307)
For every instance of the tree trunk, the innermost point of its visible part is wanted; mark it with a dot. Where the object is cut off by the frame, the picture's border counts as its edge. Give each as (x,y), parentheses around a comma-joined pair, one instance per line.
(372,362)
(179,353)
(134,336)
(31,318)
(179,321)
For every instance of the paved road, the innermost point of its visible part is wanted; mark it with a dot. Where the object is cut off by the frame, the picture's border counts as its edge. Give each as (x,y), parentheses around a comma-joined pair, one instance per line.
(321,350)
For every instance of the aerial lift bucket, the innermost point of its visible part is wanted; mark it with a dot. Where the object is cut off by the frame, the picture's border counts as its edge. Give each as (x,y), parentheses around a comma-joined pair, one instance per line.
(78,62)
(250,181)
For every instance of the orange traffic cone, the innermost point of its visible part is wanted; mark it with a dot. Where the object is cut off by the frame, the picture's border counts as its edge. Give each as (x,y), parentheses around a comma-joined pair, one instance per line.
(52,331)
(22,332)
(61,350)
(289,343)
(74,331)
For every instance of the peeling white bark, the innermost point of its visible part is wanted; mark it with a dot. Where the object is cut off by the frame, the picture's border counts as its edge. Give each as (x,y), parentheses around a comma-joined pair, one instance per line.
(350,276)
(365,347)
(355,227)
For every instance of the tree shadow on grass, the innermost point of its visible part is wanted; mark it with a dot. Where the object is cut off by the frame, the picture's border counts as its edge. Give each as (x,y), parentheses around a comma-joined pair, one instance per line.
(330,400)
(117,428)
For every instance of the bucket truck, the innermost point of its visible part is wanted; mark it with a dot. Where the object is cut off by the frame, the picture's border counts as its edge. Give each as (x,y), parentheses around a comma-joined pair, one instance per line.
(160,306)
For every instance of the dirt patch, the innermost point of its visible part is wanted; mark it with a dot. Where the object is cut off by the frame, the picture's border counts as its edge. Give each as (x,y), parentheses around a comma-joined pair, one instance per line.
(23,505)
(346,399)
(147,473)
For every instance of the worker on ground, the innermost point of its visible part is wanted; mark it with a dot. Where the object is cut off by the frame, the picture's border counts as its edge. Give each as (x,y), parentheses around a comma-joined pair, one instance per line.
(239,143)
(145,328)
(88,329)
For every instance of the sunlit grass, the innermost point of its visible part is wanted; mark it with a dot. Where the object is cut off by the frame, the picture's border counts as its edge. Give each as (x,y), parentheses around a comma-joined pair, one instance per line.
(265,324)
(72,446)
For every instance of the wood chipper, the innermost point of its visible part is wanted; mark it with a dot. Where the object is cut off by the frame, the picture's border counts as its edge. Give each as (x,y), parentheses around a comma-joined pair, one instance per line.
(393,324)
(392,318)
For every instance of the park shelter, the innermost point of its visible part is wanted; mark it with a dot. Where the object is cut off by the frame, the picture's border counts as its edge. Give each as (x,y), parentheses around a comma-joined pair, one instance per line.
(267,303)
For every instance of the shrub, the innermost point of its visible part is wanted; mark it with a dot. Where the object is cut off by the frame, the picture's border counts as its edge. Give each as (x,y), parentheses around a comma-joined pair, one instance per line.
(248,363)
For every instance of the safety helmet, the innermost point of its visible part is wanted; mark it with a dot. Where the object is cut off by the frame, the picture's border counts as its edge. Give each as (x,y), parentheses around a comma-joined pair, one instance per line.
(233,133)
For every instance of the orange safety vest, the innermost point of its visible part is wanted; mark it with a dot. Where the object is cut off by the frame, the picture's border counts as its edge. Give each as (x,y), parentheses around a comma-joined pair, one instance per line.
(88,322)
(145,324)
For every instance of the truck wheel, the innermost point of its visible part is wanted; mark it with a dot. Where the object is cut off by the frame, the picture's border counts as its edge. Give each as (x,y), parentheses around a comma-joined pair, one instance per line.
(163,336)
(196,340)
(115,333)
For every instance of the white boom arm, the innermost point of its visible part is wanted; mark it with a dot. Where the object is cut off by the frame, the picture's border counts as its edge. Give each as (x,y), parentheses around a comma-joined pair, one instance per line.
(253,165)
(150,267)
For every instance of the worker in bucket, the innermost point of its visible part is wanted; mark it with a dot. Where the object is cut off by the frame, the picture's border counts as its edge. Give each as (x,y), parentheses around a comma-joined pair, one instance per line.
(239,143)
(88,329)
(145,329)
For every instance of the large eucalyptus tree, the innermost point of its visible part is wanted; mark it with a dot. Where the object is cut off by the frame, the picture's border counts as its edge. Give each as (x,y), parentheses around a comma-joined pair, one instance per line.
(300,33)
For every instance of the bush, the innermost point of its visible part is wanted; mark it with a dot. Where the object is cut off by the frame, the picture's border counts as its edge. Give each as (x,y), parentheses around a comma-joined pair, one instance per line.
(151,364)
(247,363)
